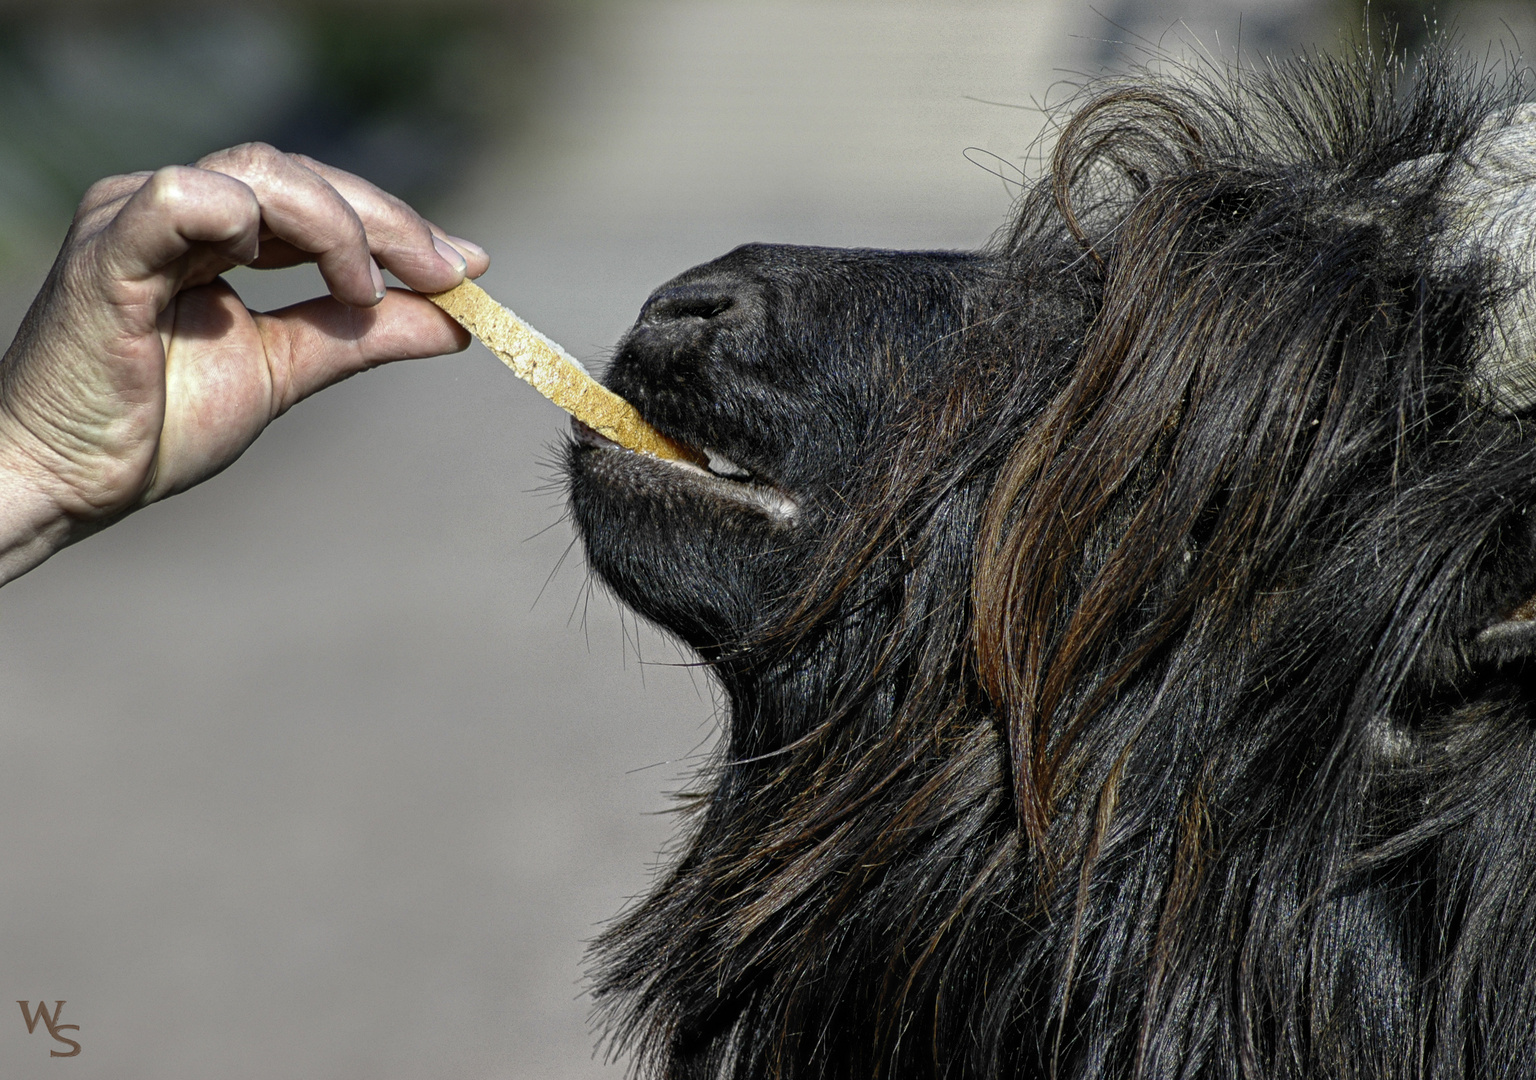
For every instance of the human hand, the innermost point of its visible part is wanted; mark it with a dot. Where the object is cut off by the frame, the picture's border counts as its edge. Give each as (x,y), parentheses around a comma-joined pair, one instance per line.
(138,373)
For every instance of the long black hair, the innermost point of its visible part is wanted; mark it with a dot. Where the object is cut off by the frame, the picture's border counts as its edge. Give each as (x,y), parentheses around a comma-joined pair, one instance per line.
(1131,720)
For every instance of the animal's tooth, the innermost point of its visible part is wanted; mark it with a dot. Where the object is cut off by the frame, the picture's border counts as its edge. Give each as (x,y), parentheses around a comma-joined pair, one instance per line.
(721,465)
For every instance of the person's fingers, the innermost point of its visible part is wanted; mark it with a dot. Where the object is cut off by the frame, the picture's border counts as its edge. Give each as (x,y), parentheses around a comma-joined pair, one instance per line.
(308,212)
(476,259)
(276,254)
(303,209)
(174,208)
(320,342)
(420,256)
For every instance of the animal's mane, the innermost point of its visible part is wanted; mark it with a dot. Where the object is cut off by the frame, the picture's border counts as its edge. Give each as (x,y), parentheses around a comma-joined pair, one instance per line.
(1119,729)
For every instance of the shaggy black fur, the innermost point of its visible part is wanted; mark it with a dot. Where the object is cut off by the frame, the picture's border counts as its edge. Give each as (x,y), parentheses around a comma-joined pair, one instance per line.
(1122,626)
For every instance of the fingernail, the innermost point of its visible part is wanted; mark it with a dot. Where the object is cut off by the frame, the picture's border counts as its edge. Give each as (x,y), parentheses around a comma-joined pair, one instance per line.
(378,279)
(468,249)
(449,255)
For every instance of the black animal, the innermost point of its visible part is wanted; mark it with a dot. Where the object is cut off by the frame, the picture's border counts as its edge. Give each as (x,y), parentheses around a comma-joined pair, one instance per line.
(1126,629)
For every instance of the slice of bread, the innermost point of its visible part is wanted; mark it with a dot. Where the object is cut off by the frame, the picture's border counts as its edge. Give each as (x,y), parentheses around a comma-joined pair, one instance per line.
(555,373)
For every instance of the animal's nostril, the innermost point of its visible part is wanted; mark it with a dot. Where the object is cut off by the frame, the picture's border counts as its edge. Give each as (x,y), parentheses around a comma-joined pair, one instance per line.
(687,302)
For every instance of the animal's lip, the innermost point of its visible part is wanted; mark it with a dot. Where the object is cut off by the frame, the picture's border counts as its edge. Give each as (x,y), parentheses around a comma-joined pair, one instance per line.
(723,478)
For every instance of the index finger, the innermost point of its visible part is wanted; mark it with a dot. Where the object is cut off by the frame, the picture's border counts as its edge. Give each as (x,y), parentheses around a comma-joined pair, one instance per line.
(414,249)
(301,208)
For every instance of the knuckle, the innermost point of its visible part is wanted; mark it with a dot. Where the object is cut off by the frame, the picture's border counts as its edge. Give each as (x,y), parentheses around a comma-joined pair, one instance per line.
(252,162)
(241,153)
(167,188)
(110,189)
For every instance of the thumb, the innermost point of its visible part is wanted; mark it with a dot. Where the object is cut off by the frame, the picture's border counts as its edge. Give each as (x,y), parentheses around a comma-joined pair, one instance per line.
(322,341)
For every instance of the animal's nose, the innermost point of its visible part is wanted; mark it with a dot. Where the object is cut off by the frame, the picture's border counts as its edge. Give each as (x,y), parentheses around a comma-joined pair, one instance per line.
(695,302)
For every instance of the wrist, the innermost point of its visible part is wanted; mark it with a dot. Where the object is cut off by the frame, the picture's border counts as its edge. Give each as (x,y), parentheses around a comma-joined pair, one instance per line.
(33,524)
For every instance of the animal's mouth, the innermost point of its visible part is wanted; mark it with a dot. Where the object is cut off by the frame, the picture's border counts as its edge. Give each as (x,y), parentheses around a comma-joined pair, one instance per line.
(719,477)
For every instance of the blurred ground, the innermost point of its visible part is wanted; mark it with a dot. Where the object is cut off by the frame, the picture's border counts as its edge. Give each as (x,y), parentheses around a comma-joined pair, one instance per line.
(327,769)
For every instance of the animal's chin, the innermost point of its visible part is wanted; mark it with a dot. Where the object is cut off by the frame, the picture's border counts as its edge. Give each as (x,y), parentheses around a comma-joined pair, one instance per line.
(721,481)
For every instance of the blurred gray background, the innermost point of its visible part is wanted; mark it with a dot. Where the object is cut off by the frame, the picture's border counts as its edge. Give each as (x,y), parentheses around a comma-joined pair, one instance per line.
(329,768)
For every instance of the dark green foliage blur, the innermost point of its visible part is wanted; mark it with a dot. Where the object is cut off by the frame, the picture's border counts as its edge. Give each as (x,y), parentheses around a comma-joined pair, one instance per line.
(401,92)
